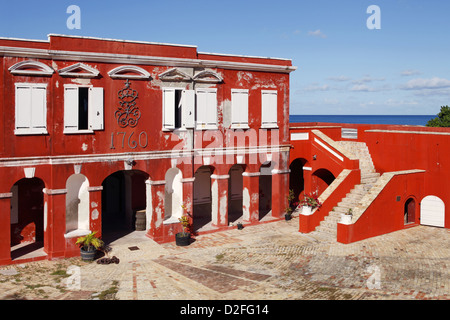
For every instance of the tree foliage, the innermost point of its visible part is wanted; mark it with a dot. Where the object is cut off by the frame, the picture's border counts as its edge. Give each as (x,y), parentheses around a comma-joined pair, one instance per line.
(442,119)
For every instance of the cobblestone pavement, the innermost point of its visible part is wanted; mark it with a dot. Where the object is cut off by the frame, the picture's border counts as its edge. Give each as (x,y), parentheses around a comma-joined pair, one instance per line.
(271,261)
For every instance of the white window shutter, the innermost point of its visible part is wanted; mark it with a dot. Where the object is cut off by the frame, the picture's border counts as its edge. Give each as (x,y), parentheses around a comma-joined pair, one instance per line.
(23,107)
(71,108)
(39,107)
(169,108)
(269,108)
(239,107)
(96,109)
(201,107)
(211,108)
(188,108)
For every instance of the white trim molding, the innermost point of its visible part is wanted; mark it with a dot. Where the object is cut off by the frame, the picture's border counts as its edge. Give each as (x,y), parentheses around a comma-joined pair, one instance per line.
(174,74)
(31,68)
(329,149)
(52,192)
(142,60)
(155,183)
(139,73)
(220,177)
(86,71)
(93,189)
(251,174)
(207,76)
(278,171)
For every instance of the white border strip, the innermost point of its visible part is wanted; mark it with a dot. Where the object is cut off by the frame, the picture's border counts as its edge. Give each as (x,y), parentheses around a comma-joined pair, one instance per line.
(328,149)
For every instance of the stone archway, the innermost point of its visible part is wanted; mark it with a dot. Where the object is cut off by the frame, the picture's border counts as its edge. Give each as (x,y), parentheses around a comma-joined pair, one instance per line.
(123,194)
(235,193)
(297,179)
(265,189)
(27,217)
(321,179)
(202,202)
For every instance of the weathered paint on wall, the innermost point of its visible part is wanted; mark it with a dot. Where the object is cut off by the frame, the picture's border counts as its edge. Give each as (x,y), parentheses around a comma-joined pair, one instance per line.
(147,147)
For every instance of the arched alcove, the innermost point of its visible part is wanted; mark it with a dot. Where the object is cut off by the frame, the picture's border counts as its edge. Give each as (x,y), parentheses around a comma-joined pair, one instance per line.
(173,196)
(77,203)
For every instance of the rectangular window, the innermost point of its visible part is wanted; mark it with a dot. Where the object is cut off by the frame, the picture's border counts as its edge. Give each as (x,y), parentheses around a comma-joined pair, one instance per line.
(239,108)
(269,108)
(178,108)
(83,109)
(31,108)
(206,108)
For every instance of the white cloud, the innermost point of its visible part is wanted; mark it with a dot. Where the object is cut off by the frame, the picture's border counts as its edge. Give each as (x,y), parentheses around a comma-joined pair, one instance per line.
(339,78)
(367,79)
(424,84)
(361,87)
(317,33)
(393,102)
(366,88)
(408,73)
(316,87)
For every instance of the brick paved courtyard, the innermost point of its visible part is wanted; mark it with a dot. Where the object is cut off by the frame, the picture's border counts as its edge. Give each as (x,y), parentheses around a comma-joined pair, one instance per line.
(271,261)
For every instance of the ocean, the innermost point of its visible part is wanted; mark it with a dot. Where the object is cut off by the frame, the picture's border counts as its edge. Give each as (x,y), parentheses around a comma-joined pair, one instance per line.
(413,120)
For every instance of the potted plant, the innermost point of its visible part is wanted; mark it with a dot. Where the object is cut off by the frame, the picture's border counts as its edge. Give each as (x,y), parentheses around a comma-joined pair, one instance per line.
(291,205)
(184,238)
(346,218)
(309,203)
(89,244)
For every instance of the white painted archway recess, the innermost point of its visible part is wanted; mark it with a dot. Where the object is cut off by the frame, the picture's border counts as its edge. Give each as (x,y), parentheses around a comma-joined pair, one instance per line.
(432,211)
(173,196)
(77,205)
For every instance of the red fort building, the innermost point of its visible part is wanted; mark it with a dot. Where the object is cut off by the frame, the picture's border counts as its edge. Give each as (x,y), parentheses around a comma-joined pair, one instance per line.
(114,136)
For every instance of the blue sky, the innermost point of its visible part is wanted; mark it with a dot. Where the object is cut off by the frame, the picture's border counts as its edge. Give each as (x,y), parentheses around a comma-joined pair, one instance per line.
(343,67)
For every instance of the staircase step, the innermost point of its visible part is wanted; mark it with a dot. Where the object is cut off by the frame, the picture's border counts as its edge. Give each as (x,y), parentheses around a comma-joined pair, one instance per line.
(340,209)
(327,230)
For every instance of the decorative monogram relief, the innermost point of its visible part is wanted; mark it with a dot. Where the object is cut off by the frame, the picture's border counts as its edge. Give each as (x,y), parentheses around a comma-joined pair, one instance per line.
(128,114)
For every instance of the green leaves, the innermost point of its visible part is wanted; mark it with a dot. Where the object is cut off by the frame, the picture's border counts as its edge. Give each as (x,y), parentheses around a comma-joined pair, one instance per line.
(442,119)
(90,240)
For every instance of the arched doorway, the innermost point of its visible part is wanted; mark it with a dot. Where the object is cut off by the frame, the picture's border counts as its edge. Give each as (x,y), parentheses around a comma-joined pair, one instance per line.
(124,193)
(410,211)
(296,179)
(27,218)
(202,198)
(235,188)
(320,180)
(432,211)
(265,189)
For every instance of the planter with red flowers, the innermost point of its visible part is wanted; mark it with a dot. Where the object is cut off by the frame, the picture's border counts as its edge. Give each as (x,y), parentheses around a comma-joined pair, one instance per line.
(309,203)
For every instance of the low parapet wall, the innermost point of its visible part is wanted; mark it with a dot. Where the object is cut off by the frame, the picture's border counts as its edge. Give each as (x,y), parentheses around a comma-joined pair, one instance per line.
(382,209)
(335,192)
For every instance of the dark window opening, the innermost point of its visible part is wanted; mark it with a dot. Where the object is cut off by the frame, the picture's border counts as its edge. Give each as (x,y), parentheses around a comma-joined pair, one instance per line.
(83,104)
(178,108)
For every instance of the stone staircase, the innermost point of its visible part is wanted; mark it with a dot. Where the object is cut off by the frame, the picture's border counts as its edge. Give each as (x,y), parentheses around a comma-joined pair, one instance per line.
(327,230)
